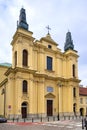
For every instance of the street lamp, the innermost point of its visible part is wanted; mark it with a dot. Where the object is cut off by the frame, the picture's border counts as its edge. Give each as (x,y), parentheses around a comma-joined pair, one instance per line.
(59,85)
(3,93)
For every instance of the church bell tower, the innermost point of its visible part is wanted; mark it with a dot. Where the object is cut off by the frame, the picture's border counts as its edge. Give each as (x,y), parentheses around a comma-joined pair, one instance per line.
(21,42)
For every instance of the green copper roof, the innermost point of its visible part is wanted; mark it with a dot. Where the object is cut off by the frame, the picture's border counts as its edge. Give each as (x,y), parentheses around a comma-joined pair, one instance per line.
(6,64)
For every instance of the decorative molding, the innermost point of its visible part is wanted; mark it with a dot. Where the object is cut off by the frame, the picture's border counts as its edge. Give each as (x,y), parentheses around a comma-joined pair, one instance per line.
(25,96)
(50,95)
(12,78)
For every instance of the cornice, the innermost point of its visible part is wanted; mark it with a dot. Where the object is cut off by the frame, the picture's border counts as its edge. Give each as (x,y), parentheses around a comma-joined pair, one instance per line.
(19,69)
(3,82)
(71,53)
(23,35)
(40,75)
(73,80)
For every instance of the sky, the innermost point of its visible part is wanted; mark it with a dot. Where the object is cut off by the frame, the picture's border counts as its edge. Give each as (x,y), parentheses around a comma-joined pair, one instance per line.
(60,15)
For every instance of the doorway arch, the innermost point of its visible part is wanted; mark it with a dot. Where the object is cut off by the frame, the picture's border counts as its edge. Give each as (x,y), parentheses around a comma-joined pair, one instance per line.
(81,111)
(24,108)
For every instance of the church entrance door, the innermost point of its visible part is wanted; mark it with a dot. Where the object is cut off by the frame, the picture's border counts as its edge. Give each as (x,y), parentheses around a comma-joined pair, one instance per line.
(24,110)
(49,107)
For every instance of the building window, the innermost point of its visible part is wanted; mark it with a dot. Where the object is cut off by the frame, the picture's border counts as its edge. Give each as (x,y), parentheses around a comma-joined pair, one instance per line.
(49,63)
(49,46)
(73,70)
(15,58)
(25,58)
(24,89)
(81,100)
(74,92)
(49,89)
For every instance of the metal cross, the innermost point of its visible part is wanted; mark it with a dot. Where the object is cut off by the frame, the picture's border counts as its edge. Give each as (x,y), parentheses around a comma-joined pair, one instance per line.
(48,28)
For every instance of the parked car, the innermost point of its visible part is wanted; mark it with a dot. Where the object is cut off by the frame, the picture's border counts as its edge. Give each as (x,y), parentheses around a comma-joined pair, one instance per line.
(3,120)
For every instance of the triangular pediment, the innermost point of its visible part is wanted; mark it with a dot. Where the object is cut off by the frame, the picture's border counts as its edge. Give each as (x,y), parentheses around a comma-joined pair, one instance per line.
(50,95)
(48,39)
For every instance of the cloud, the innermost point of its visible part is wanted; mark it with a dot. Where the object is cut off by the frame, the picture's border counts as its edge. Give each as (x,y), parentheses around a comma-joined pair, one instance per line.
(60,15)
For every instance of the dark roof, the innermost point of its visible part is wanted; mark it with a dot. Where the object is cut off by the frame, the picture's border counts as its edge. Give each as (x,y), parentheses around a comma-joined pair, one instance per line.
(82,91)
(22,20)
(69,42)
(6,64)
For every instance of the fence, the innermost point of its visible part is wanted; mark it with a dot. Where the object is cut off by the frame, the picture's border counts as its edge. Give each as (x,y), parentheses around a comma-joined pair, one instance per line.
(45,119)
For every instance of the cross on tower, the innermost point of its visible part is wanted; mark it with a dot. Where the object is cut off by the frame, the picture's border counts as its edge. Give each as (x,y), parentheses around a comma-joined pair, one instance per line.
(48,28)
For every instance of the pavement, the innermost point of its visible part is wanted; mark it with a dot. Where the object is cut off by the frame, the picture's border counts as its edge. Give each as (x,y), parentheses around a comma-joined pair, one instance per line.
(57,125)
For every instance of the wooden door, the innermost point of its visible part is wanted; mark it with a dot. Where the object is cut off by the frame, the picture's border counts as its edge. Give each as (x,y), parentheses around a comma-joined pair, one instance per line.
(24,112)
(49,107)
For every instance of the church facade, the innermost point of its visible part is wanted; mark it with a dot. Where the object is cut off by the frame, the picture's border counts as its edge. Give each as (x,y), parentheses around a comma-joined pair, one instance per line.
(42,81)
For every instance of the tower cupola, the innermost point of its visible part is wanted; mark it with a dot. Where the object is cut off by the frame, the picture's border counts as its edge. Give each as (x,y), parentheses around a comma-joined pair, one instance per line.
(69,42)
(22,23)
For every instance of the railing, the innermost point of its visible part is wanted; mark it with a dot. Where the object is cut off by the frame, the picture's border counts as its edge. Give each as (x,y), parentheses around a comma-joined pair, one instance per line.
(44,119)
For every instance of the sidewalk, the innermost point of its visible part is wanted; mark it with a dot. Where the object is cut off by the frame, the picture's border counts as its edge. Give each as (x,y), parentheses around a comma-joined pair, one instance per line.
(44,119)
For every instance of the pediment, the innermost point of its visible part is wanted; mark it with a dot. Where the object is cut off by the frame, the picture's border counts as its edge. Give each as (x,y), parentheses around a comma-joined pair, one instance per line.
(49,95)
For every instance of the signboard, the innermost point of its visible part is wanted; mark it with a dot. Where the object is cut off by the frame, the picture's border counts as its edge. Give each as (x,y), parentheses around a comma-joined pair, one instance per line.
(9,107)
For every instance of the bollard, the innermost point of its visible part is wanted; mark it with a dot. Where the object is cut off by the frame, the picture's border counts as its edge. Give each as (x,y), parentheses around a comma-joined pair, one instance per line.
(32,120)
(13,119)
(82,124)
(58,117)
(69,117)
(48,119)
(86,124)
(24,119)
(41,119)
(53,118)
(17,119)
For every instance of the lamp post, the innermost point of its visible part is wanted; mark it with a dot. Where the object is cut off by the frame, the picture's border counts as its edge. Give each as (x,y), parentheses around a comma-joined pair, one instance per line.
(3,93)
(59,85)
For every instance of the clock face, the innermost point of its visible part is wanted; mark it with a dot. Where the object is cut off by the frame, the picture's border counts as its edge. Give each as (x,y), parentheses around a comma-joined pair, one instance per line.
(49,89)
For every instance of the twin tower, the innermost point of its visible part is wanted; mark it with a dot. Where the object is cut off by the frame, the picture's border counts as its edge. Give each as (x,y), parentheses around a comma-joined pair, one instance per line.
(23,24)
(41,77)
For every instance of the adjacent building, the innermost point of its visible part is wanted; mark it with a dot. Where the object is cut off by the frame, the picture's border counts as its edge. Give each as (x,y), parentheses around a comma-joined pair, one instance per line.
(42,81)
(83,101)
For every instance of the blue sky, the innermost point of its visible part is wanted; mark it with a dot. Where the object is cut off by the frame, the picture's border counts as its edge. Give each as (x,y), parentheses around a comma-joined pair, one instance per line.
(60,15)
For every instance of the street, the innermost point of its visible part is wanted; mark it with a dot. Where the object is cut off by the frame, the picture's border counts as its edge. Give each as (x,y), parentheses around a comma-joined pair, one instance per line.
(57,125)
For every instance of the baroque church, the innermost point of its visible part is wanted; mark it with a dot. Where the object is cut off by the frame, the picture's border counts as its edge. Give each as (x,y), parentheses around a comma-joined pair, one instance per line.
(42,81)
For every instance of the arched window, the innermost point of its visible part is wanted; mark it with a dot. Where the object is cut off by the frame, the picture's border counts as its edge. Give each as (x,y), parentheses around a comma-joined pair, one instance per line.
(49,63)
(73,70)
(15,58)
(25,58)
(49,46)
(24,89)
(74,92)
(24,104)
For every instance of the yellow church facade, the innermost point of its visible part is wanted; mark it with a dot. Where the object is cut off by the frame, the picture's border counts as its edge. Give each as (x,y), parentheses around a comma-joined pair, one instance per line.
(42,81)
